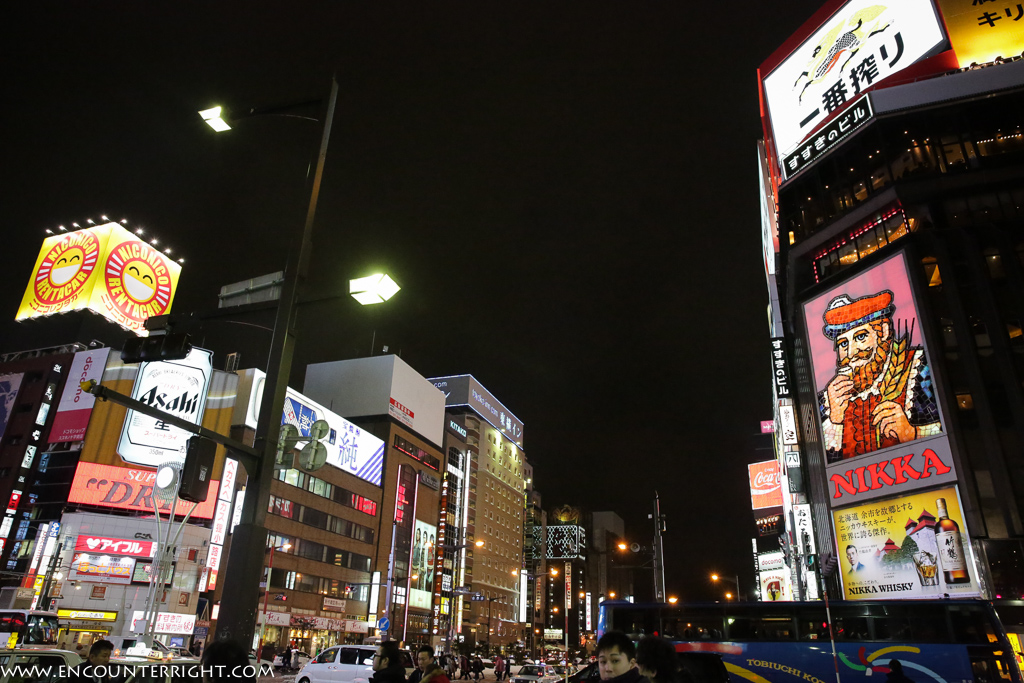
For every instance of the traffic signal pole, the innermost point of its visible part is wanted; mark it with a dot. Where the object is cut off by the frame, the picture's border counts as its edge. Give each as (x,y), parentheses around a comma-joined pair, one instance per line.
(240,596)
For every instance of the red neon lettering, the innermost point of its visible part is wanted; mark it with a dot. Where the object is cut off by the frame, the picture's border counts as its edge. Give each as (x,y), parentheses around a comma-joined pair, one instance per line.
(903,469)
(845,483)
(932,461)
(860,479)
(879,478)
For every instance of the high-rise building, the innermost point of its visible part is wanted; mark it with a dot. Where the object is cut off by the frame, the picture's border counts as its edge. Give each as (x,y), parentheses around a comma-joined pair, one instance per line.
(497,479)
(893,228)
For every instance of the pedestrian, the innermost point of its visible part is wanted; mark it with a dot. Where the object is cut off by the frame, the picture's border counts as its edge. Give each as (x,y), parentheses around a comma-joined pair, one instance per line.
(657,661)
(227,661)
(478,668)
(499,667)
(463,668)
(286,657)
(95,667)
(896,674)
(616,658)
(387,664)
(449,666)
(432,673)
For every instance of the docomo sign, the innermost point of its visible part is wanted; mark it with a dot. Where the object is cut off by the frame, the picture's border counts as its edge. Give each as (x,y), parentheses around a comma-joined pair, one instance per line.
(128,489)
(114,546)
(892,471)
(765,484)
(106,269)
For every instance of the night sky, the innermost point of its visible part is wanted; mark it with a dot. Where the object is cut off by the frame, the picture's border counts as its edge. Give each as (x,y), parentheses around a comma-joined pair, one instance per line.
(566,192)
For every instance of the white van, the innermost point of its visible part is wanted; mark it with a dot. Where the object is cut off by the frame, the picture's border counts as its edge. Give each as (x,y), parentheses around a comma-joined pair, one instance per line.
(345,664)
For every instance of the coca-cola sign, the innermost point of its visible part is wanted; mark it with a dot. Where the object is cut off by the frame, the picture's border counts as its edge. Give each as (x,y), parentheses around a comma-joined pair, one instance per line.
(765,484)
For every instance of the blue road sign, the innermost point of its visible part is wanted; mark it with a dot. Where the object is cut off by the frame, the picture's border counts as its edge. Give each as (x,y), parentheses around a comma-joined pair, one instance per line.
(383,623)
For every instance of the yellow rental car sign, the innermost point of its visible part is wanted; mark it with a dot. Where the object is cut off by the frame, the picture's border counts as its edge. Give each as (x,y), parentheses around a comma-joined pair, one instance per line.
(105,269)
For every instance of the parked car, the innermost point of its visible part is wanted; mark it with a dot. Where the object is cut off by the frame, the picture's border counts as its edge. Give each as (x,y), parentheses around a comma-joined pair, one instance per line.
(50,660)
(299,660)
(345,664)
(536,673)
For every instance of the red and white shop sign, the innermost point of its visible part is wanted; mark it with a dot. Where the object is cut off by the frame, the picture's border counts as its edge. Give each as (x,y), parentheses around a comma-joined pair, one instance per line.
(114,546)
(765,484)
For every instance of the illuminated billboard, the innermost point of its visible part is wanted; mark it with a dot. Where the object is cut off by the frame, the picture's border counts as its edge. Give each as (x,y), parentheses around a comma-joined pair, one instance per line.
(863,43)
(980,33)
(349,447)
(106,269)
(774,577)
(129,489)
(465,390)
(878,406)
(566,542)
(765,484)
(424,544)
(9,386)
(75,407)
(911,547)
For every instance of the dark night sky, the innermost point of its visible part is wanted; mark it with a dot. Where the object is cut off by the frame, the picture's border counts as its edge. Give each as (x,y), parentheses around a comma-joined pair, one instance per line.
(565,190)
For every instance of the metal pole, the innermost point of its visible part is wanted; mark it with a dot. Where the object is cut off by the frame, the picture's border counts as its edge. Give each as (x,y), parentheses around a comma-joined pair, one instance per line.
(266,595)
(739,593)
(490,601)
(659,554)
(240,599)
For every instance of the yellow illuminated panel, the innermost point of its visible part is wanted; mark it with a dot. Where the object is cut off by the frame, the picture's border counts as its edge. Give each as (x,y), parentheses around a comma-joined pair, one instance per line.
(981,32)
(93,615)
(106,269)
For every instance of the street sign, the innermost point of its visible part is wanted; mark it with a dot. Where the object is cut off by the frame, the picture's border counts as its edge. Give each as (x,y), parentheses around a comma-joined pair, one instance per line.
(478,598)
(383,623)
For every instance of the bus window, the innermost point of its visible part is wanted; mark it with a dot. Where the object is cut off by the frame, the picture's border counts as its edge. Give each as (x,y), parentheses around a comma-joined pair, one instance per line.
(756,624)
(851,628)
(694,626)
(891,628)
(636,622)
(928,623)
(971,624)
(42,630)
(811,622)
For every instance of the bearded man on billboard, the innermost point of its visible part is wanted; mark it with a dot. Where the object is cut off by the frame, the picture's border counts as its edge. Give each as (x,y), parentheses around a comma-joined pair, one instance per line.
(883,393)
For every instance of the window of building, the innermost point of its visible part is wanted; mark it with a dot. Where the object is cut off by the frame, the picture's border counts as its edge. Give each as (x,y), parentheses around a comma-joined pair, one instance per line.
(994,263)
(964,401)
(931,271)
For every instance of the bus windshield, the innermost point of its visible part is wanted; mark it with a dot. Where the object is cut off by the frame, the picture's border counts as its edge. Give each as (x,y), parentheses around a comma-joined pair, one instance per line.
(41,630)
(26,627)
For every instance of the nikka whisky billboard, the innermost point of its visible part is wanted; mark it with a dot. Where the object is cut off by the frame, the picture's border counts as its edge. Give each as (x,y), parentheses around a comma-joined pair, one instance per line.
(914,546)
(882,430)
(106,269)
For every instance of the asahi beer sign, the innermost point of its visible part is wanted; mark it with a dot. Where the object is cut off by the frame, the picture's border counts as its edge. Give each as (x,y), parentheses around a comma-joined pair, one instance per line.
(177,387)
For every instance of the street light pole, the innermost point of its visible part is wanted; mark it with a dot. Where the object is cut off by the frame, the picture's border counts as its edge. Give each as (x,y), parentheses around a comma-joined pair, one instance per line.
(266,596)
(239,599)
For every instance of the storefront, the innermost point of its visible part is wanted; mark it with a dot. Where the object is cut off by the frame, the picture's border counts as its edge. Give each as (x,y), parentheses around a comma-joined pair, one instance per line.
(83,627)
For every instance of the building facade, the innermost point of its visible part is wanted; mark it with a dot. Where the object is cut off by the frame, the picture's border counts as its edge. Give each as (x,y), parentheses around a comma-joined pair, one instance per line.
(893,227)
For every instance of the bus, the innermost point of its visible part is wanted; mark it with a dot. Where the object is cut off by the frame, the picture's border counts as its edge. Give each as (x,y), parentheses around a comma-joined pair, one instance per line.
(942,641)
(28,628)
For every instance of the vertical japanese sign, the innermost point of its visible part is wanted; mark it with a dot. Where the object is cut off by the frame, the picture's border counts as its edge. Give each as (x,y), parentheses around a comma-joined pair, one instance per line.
(568,586)
(860,45)
(75,405)
(780,368)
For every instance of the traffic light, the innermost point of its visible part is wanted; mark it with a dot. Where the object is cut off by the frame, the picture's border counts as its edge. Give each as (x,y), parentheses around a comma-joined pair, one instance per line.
(812,562)
(156,348)
(197,470)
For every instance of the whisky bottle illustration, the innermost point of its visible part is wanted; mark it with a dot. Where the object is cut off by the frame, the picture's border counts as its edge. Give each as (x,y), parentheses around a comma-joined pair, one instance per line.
(951,547)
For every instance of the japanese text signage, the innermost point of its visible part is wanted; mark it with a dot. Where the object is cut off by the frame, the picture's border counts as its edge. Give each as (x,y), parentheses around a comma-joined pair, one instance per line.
(106,269)
(114,546)
(765,484)
(780,368)
(837,130)
(914,546)
(981,30)
(861,44)
(787,418)
(94,567)
(75,405)
(177,387)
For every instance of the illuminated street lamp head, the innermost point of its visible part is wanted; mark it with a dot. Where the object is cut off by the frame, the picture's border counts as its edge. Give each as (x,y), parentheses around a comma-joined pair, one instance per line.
(728,596)
(714,577)
(479,544)
(554,572)
(373,289)
(286,546)
(673,600)
(214,119)
(611,594)
(622,546)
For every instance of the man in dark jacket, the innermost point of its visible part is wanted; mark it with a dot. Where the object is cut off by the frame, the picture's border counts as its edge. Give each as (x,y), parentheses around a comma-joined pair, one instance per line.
(432,673)
(387,664)
(616,659)
(97,662)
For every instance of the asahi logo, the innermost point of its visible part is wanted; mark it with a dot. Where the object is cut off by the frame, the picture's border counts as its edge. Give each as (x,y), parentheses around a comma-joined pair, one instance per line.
(186,404)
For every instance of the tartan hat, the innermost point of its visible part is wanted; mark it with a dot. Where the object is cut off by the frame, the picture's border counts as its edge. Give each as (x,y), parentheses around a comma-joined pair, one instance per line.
(844,314)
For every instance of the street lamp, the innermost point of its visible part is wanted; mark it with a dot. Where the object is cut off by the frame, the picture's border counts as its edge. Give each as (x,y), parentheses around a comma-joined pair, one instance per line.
(735,580)
(214,119)
(673,600)
(611,595)
(728,596)
(266,594)
(373,289)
